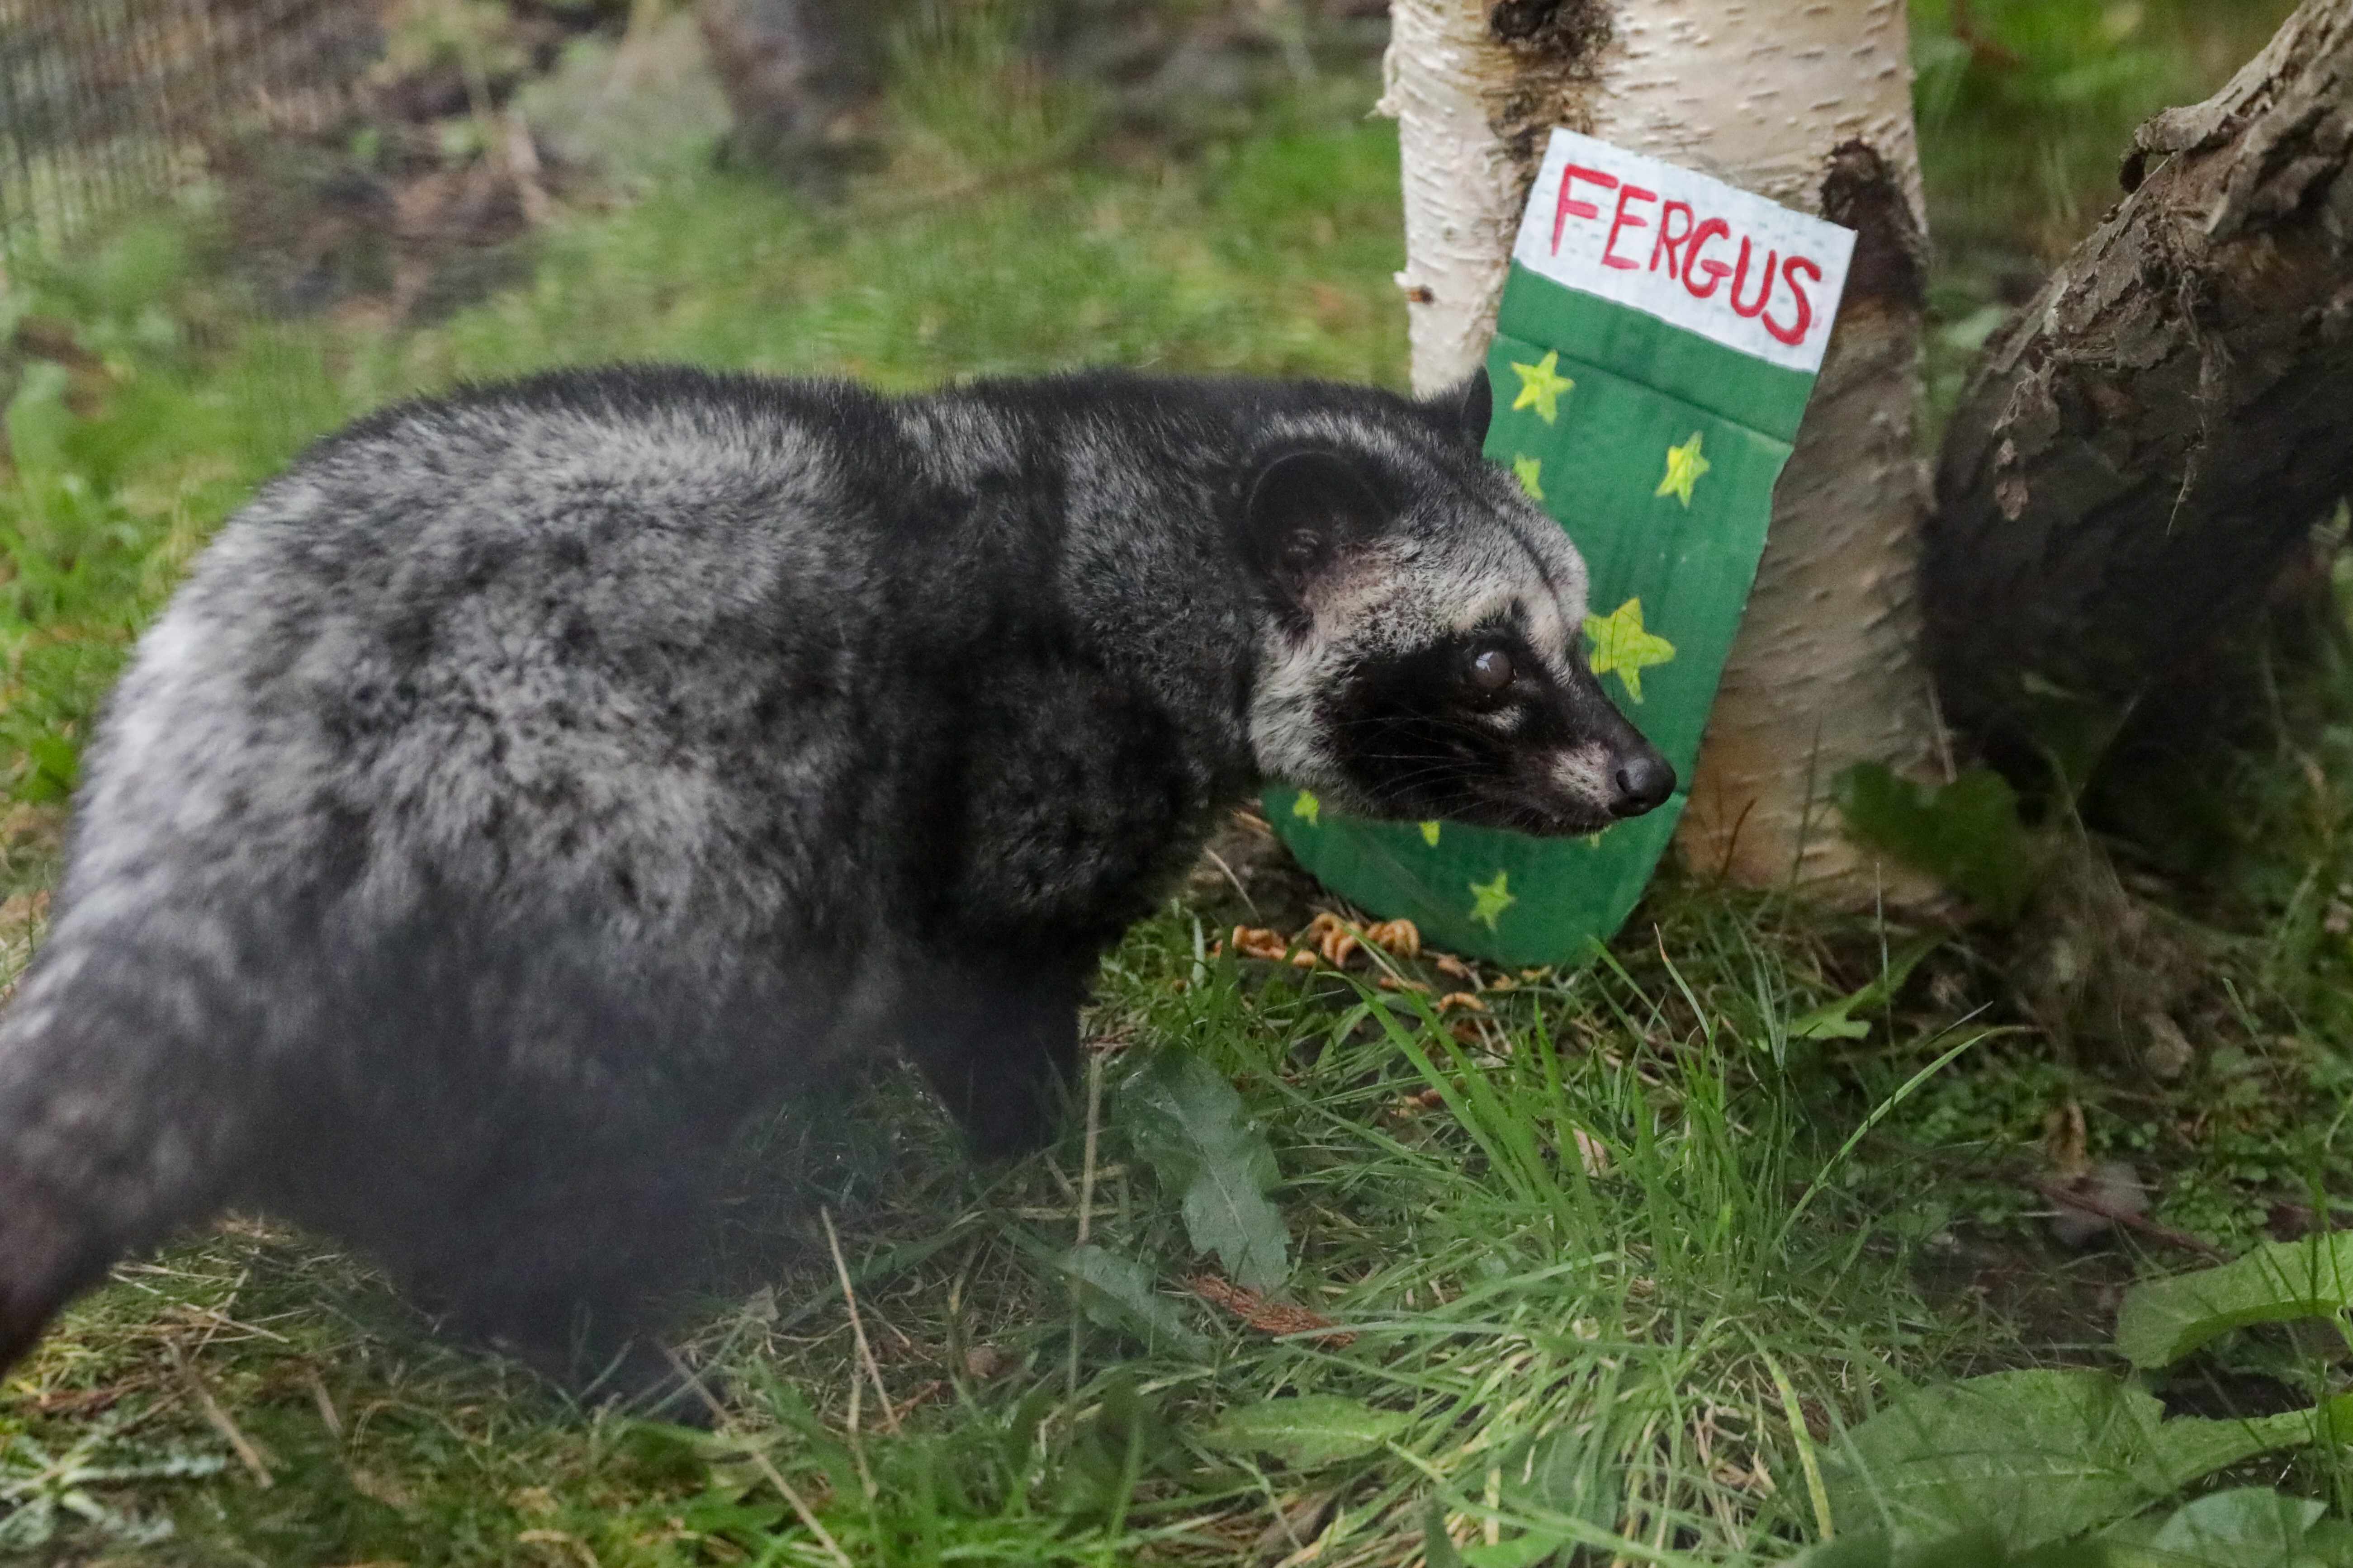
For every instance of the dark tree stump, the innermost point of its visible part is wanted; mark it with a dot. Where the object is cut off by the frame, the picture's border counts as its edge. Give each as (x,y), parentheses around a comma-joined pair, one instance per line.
(2144,448)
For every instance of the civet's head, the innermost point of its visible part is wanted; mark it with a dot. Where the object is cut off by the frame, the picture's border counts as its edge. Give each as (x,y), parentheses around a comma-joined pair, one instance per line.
(1421,655)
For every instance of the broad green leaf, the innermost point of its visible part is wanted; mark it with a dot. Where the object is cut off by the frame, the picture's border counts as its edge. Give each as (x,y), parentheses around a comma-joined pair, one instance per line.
(2189,1449)
(1836,1020)
(2165,1320)
(1187,1121)
(1116,1292)
(1523,1552)
(2037,1457)
(1966,834)
(1976,1549)
(1871,1551)
(2029,1456)
(1972,1549)
(1246,1233)
(1306,1432)
(1179,1110)
(2331,1542)
(2251,1526)
(1833,1021)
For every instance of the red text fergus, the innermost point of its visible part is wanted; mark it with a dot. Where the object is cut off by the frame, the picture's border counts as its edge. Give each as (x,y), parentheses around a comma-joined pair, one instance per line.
(1680,241)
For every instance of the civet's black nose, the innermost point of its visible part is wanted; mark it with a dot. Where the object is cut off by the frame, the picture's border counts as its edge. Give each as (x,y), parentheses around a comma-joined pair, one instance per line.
(1643,781)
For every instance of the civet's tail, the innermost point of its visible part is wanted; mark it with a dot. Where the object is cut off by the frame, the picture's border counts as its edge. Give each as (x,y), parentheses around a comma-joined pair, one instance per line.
(114,1124)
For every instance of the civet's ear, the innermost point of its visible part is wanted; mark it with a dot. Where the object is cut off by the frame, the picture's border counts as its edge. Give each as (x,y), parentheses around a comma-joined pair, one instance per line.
(1471,404)
(1306,508)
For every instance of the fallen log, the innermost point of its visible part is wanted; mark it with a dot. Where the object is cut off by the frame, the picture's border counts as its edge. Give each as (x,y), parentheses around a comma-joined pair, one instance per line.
(2147,444)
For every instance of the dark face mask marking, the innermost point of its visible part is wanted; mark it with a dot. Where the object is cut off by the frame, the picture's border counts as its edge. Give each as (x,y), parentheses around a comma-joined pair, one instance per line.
(1476,730)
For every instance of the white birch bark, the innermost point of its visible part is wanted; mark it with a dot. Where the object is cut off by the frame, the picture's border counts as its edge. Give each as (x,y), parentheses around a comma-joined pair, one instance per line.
(1827,670)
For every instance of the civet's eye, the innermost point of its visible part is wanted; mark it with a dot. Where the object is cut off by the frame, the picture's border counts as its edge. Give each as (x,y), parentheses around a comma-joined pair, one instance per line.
(1490,671)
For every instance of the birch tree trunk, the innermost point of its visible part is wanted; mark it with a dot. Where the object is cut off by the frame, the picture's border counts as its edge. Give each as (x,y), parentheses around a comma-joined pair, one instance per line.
(1809,105)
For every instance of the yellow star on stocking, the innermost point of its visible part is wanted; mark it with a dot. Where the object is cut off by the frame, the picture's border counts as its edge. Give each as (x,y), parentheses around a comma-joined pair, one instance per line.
(1430,834)
(1529,471)
(1684,466)
(1541,384)
(1307,808)
(1620,643)
(1494,898)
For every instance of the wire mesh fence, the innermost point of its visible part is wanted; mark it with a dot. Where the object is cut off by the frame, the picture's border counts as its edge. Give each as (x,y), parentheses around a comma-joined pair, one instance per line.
(108,103)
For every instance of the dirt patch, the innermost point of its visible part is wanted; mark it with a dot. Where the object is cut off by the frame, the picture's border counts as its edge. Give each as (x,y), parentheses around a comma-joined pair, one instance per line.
(413,190)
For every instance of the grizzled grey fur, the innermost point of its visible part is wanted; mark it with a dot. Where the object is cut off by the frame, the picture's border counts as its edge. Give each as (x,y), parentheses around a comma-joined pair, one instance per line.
(531,784)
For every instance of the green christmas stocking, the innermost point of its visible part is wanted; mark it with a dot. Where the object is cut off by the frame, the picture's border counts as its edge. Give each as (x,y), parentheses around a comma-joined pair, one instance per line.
(1660,335)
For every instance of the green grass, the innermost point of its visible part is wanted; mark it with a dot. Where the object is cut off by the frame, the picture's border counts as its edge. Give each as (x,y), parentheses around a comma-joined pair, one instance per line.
(2066,84)
(1505,1288)
(1626,1252)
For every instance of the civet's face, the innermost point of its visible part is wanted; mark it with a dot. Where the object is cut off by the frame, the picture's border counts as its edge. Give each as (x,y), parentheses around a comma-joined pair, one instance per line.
(1421,659)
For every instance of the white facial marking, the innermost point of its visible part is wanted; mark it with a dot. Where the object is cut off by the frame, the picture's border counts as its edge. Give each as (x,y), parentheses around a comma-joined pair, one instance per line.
(1545,626)
(1353,590)
(1284,735)
(1582,772)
